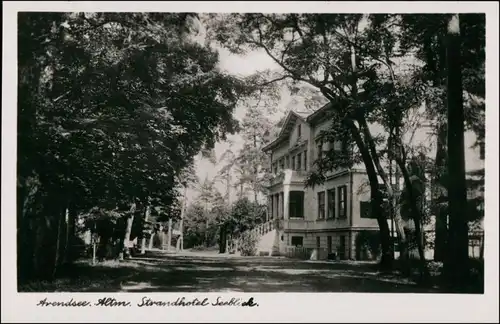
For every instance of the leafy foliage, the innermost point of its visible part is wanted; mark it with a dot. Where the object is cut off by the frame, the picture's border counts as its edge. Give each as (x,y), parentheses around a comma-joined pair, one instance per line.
(373,69)
(245,214)
(113,107)
(248,244)
(368,241)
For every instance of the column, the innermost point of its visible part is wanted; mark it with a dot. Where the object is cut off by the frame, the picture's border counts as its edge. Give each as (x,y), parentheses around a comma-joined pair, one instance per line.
(269,208)
(274,206)
(278,205)
(275,215)
(286,198)
(281,205)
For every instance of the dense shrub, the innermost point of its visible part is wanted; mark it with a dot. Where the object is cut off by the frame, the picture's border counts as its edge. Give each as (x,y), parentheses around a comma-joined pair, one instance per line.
(248,244)
(368,244)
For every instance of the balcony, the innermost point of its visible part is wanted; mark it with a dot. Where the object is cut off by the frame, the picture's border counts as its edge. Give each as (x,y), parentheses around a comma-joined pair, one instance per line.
(298,176)
(276,179)
(288,176)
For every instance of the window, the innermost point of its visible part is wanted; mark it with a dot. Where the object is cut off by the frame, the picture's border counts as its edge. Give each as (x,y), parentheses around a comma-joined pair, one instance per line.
(296,204)
(329,244)
(305,160)
(299,160)
(320,149)
(282,163)
(342,198)
(275,167)
(321,205)
(337,146)
(287,162)
(365,209)
(297,240)
(331,203)
(293,162)
(299,131)
(318,242)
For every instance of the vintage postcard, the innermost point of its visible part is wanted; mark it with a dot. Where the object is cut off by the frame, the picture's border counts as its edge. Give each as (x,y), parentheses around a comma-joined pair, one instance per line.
(249,161)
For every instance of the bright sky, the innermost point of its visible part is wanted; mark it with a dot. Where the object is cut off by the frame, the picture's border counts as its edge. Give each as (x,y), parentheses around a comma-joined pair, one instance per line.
(259,61)
(244,66)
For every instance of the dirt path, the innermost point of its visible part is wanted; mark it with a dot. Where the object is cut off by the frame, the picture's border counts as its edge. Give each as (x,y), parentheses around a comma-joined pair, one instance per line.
(210,272)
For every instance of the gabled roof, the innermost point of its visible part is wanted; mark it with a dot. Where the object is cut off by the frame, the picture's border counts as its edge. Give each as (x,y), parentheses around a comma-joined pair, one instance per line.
(310,118)
(287,127)
(318,114)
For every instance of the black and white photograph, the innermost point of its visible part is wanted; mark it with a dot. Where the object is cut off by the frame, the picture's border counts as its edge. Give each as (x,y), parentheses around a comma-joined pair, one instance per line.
(160,152)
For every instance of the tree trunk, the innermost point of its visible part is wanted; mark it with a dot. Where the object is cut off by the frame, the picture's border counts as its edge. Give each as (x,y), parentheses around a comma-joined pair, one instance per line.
(181,224)
(94,244)
(456,264)
(45,253)
(424,270)
(181,237)
(124,251)
(143,241)
(222,239)
(57,251)
(28,194)
(481,248)
(169,236)
(65,238)
(376,197)
(415,215)
(386,261)
(441,224)
(255,172)
(94,250)
(398,220)
(69,254)
(150,247)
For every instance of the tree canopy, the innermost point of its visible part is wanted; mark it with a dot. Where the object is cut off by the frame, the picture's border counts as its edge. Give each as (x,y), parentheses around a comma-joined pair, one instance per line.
(113,107)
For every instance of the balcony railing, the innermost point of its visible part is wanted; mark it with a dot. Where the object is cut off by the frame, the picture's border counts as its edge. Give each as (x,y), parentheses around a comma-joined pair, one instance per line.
(296,176)
(277,178)
(299,175)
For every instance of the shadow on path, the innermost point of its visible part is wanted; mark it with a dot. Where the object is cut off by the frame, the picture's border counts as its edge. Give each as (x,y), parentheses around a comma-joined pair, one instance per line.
(157,272)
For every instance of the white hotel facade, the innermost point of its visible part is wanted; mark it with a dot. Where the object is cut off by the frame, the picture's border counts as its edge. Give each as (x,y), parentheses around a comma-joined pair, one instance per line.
(329,216)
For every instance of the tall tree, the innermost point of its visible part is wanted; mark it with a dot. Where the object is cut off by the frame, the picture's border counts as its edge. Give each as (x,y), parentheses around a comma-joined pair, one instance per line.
(456,264)
(111,107)
(329,53)
(225,175)
(255,130)
(452,48)
(187,179)
(207,197)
